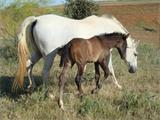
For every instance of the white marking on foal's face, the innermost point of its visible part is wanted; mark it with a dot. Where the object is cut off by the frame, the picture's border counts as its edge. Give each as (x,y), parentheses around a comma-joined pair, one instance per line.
(131,55)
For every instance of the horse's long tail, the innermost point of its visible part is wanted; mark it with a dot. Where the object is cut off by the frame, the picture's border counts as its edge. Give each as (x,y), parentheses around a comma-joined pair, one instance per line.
(23,53)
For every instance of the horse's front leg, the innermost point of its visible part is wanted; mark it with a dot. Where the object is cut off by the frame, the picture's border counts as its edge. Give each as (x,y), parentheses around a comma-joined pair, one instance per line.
(30,63)
(62,81)
(48,62)
(79,78)
(111,70)
(97,77)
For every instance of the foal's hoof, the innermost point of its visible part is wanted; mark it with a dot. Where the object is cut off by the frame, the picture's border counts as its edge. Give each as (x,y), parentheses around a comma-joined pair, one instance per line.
(94,91)
(51,96)
(60,104)
(81,96)
(120,87)
(62,108)
(99,86)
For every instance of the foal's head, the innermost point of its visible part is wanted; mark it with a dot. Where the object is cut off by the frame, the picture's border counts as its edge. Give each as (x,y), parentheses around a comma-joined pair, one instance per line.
(127,49)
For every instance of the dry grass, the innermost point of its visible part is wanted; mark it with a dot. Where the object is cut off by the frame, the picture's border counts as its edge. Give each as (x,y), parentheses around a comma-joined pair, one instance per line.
(139,98)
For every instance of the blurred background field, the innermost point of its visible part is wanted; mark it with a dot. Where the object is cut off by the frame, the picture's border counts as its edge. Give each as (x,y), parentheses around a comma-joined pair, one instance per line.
(139,99)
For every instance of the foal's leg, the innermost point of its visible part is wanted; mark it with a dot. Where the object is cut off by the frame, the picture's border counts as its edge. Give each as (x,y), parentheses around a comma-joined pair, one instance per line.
(62,81)
(79,78)
(97,77)
(48,62)
(111,70)
(105,68)
(30,63)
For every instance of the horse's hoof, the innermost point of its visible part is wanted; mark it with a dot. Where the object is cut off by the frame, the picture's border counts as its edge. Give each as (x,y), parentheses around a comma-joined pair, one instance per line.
(93,91)
(29,90)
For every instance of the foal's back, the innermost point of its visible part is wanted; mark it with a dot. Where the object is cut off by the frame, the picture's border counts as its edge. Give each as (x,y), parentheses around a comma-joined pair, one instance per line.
(86,50)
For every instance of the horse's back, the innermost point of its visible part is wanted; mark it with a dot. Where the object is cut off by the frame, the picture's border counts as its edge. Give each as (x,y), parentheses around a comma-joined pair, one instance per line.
(53,31)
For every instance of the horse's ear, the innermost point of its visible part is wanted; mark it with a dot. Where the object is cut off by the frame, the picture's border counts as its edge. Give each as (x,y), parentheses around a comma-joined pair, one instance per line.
(126,36)
(137,43)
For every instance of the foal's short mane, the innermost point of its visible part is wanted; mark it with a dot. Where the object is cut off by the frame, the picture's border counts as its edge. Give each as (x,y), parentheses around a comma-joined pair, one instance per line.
(114,34)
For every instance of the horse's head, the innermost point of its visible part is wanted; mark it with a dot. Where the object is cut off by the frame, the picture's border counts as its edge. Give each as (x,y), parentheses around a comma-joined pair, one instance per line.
(127,50)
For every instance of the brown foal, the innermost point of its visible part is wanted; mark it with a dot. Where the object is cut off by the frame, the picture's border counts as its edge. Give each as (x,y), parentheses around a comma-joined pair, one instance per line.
(82,51)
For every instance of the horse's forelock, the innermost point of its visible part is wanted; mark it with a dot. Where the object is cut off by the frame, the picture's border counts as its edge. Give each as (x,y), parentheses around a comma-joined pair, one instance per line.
(131,43)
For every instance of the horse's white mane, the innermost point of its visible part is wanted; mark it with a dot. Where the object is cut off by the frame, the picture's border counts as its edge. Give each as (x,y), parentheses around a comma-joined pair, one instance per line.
(131,41)
(114,19)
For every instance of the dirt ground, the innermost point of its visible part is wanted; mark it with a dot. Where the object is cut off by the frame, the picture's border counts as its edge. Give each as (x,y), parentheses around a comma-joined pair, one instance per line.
(141,20)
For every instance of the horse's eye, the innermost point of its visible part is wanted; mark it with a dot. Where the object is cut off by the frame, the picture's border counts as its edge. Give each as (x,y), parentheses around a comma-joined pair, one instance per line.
(135,54)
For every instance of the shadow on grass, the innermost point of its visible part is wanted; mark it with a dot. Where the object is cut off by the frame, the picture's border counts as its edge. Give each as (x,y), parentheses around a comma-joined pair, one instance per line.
(6,86)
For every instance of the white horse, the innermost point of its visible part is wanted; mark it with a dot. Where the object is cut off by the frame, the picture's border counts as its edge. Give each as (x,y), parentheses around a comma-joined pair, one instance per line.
(47,33)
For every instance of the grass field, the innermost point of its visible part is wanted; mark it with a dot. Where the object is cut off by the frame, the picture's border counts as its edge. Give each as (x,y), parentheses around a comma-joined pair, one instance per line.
(138,100)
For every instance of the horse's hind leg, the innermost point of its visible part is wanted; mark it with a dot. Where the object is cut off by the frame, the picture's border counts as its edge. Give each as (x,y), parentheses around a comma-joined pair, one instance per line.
(97,77)
(30,63)
(79,78)
(111,70)
(48,62)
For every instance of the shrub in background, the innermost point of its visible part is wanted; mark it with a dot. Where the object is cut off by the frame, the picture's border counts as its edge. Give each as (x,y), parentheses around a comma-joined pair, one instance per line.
(11,18)
(79,9)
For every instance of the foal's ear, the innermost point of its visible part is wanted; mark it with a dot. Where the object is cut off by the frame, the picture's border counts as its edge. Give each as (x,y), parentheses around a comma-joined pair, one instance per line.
(126,36)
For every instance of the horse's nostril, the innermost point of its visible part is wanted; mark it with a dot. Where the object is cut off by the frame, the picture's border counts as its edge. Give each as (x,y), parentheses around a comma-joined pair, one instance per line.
(132,70)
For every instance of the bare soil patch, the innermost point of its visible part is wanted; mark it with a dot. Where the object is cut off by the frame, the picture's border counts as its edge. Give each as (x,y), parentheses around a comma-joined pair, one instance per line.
(141,20)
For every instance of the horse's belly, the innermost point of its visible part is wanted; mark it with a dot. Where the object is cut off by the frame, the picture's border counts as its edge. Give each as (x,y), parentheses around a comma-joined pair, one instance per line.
(49,39)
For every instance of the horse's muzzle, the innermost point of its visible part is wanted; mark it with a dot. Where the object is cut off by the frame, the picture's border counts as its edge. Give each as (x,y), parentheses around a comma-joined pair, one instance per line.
(132,69)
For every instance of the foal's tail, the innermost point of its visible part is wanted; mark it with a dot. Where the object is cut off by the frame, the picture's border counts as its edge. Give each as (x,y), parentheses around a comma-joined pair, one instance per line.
(65,54)
(23,52)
